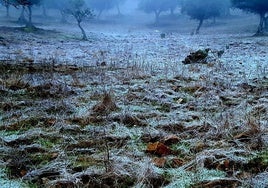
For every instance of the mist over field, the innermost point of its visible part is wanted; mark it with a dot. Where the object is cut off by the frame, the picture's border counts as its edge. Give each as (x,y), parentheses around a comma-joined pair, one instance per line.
(133,93)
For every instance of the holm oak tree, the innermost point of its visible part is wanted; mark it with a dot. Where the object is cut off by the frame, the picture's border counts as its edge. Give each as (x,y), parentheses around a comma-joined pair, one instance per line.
(259,7)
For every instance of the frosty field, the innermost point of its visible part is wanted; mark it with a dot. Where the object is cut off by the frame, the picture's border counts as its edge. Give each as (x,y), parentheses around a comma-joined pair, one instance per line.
(122,110)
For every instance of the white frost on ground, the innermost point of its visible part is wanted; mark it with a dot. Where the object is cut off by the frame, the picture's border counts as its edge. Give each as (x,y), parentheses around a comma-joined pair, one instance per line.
(244,58)
(244,55)
(5,183)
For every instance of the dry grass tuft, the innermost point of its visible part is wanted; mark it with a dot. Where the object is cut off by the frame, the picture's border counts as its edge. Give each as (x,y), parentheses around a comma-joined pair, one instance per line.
(106,106)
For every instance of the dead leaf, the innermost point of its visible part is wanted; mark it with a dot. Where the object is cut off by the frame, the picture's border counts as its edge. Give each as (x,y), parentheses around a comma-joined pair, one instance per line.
(23,173)
(223,165)
(50,122)
(171,139)
(176,162)
(158,148)
(159,162)
(226,164)
(54,155)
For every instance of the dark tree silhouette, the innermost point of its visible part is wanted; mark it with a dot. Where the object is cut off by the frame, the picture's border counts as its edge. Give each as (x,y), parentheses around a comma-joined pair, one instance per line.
(59,5)
(6,4)
(158,6)
(203,9)
(100,5)
(28,4)
(117,5)
(259,7)
(79,11)
(22,19)
(103,5)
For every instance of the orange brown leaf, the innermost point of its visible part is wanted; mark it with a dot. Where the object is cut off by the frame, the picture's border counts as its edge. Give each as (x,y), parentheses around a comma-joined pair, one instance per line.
(176,162)
(158,148)
(159,162)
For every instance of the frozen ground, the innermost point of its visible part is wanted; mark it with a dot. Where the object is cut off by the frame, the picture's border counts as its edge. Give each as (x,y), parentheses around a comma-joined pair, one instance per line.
(163,123)
(243,53)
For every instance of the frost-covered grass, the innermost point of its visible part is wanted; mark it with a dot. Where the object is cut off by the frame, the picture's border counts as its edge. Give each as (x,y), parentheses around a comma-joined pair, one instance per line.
(183,178)
(5,182)
(50,127)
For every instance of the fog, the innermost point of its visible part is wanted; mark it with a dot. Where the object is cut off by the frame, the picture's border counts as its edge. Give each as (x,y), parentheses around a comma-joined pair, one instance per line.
(163,14)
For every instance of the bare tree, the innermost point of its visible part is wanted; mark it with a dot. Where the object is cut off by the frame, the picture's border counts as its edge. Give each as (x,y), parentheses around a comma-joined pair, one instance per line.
(158,6)
(25,3)
(203,9)
(79,11)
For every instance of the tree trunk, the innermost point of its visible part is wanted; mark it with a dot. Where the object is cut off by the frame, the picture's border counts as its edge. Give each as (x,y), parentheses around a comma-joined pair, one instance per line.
(172,12)
(44,11)
(226,11)
(261,24)
(157,16)
(266,24)
(7,13)
(30,23)
(63,17)
(214,20)
(118,9)
(83,31)
(199,26)
(30,14)
(99,15)
(22,19)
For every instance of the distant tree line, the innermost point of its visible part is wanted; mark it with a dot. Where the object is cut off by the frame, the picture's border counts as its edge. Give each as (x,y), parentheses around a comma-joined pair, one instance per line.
(199,10)
(75,8)
(207,9)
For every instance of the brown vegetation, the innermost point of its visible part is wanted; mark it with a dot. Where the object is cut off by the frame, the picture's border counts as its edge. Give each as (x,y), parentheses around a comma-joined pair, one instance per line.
(169,124)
